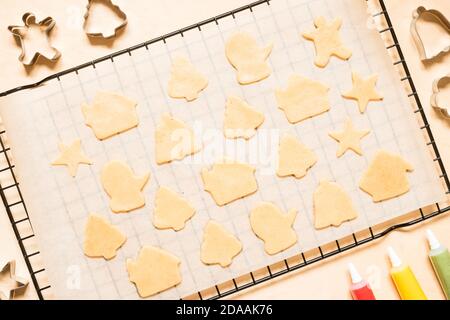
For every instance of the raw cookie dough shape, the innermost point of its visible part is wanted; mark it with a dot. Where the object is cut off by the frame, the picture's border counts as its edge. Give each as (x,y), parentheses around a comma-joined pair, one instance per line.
(219,245)
(185,81)
(302,99)
(154,270)
(123,187)
(110,114)
(327,41)
(248,58)
(174,140)
(101,239)
(386,176)
(363,91)
(71,156)
(349,138)
(171,210)
(294,158)
(332,205)
(228,181)
(274,227)
(241,120)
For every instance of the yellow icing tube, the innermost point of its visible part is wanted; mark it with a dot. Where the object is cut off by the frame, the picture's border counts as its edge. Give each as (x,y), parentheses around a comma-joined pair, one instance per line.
(404,279)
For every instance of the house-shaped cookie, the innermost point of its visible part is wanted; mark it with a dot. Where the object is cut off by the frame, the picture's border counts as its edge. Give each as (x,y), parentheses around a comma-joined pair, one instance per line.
(386,176)
(153,271)
(110,114)
(228,181)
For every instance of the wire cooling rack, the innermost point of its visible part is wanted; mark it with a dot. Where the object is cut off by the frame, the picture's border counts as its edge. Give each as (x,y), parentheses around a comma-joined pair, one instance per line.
(17,211)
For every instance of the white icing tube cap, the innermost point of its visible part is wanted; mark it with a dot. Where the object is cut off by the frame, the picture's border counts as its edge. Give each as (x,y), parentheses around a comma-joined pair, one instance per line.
(432,240)
(356,277)
(395,260)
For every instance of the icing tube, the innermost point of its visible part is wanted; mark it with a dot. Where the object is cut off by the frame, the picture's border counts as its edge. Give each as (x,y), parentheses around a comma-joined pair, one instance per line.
(360,288)
(440,260)
(404,279)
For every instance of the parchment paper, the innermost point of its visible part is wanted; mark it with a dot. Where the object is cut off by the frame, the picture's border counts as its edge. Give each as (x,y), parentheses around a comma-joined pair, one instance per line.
(37,120)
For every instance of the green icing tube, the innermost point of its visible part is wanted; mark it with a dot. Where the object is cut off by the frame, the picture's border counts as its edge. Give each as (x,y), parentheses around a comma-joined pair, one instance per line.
(440,259)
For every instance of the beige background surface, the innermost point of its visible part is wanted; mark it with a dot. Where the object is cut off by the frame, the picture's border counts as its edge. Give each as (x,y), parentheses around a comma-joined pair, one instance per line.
(328,280)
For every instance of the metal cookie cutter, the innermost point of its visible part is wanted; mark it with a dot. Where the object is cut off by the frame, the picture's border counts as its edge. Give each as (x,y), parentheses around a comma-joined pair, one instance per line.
(116,9)
(440,18)
(437,85)
(20,283)
(46,25)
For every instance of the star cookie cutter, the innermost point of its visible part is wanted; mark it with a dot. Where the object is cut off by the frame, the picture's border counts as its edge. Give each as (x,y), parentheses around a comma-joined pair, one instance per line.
(116,10)
(20,283)
(437,16)
(46,25)
(437,85)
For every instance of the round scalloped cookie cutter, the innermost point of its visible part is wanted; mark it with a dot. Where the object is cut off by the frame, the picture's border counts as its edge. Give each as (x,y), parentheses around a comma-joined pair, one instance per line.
(435,103)
(438,17)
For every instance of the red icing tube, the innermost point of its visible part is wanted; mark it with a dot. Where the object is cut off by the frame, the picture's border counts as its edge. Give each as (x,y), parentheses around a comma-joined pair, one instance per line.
(362,291)
(359,289)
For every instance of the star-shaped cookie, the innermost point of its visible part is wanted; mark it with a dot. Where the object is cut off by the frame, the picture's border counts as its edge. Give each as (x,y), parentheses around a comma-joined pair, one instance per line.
(71,156)
(19,286)
(349,138)
(363,91)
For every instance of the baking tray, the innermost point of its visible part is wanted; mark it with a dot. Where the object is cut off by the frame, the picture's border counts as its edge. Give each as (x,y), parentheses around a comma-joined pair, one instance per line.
(18,214)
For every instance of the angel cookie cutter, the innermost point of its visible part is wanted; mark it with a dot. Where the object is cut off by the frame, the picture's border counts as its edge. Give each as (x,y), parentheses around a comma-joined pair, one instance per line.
(438,17)
(116,9)
(20,284)
(435,103)
(45,26)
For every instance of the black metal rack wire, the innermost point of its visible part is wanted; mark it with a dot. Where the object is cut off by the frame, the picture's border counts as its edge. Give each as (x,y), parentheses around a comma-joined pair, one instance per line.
(17,207)
(17,211)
